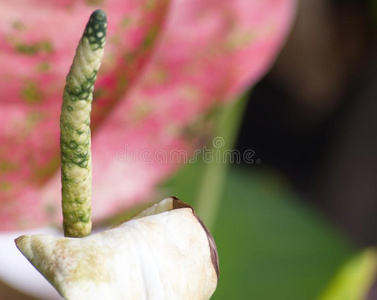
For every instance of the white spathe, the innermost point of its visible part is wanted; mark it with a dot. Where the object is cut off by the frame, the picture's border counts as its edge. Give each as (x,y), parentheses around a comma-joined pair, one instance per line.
(163,253)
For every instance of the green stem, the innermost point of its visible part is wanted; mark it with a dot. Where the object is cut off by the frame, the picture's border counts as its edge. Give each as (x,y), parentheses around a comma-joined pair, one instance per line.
(76,173)
(213,178)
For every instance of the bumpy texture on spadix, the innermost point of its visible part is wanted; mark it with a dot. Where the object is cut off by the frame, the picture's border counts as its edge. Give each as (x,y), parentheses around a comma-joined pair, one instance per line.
(163,253)
(75,141)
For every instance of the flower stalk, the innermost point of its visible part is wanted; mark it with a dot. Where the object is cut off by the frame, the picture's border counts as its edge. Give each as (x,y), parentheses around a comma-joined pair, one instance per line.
(75,143)
(214,173)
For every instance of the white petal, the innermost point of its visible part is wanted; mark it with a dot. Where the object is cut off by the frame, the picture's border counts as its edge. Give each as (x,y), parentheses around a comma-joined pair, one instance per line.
(163,253)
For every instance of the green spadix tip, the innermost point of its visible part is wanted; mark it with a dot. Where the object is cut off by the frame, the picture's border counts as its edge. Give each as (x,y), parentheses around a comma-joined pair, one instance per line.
(95,30)
(98,16)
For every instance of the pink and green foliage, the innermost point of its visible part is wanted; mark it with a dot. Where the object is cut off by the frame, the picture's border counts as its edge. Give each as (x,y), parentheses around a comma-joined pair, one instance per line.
(167,64)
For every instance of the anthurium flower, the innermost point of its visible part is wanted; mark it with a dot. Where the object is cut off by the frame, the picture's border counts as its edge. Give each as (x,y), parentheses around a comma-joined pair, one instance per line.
(165,252)
(168,63)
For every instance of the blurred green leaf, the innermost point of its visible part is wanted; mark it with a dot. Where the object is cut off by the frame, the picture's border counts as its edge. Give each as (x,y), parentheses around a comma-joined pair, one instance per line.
(355,279)
(271,245)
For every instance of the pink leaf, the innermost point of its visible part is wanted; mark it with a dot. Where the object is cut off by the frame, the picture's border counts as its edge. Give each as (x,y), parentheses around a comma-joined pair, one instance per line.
(208,52)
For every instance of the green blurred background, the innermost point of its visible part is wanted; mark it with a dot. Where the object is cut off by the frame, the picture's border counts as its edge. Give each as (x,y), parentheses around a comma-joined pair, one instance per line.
(271,245)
